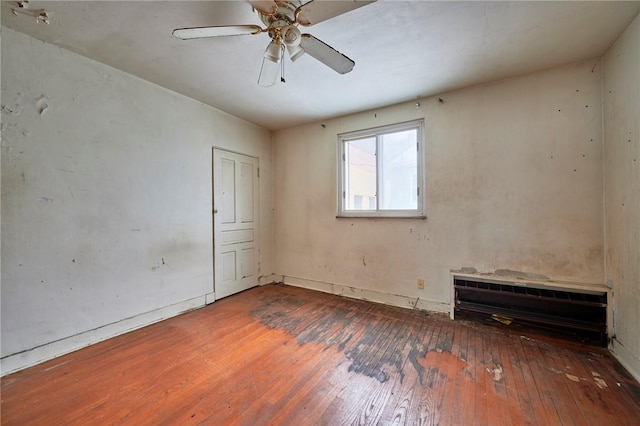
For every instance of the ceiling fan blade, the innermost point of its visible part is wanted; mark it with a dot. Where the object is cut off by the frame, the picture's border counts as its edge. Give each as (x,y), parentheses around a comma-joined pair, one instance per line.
(267,7)
(226,30)
(317,11)
(326,54)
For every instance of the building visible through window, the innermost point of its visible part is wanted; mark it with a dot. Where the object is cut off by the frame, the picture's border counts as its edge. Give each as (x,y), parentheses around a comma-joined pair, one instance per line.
(357,202)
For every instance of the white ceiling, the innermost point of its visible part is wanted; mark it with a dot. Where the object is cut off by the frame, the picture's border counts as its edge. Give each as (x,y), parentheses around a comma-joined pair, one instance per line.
(403,50)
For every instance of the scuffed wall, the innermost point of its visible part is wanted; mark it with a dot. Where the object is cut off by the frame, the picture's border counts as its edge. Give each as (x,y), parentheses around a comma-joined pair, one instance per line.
(106,199)
(514,181)
(621,92)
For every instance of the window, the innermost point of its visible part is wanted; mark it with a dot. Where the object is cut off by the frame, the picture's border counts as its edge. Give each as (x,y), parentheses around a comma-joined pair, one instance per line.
(383,166)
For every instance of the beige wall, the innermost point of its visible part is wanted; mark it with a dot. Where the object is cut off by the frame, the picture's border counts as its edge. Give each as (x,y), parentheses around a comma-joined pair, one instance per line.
(106,200)
(514,180)
(621,89)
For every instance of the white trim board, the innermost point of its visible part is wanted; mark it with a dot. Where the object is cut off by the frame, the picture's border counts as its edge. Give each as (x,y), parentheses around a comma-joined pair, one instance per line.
(628,360)
(270,279)
(39,354)
(370,295)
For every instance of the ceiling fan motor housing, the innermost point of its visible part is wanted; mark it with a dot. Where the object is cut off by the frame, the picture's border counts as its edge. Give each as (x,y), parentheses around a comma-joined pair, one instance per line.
(284,16)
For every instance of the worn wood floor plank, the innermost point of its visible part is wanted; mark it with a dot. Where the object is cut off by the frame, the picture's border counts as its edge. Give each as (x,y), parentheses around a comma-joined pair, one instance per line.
(497,386)
(512,378)
(401,406)
(432,364)
(280,355)
(567,408)
(469,380)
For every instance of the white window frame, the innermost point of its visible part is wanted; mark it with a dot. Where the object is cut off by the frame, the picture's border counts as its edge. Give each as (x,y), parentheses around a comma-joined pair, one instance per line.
(377,132)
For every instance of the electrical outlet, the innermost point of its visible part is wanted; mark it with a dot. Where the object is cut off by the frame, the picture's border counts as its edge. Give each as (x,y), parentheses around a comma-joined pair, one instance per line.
(420,284)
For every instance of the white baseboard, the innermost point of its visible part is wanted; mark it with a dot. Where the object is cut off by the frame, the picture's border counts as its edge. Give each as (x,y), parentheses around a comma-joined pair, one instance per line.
(629,360)
(371,295)
(21,360)
(270,279)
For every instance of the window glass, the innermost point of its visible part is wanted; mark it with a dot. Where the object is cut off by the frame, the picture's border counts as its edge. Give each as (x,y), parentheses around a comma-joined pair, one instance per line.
(398,171)
(361,169)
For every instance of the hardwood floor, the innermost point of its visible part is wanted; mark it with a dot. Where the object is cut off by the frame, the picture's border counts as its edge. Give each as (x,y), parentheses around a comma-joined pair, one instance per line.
(289,356)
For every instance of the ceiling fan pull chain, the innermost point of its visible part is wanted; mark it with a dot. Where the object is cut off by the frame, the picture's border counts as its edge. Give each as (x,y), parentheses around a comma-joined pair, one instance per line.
(282,80)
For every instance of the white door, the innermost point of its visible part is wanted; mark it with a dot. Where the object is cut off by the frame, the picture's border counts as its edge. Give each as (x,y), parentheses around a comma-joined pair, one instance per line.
(235,222)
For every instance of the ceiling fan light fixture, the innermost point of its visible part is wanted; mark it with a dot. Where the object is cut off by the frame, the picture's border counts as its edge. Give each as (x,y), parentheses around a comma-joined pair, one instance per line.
(295,52)
(273,52)
(268,73)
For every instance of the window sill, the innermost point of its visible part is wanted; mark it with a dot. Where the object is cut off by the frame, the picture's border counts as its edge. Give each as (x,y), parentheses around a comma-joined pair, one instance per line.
(378,216)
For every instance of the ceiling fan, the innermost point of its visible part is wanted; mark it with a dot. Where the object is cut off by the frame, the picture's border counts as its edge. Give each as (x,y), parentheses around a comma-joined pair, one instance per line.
(282,19)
